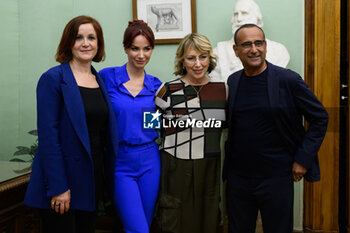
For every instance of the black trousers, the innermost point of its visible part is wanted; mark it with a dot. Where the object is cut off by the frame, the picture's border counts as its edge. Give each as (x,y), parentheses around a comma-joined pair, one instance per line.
(73,221)
(272,196)
(189,195)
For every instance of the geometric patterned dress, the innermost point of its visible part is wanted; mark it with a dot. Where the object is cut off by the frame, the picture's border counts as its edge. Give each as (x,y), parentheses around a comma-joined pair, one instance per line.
(193,119)
(179,103)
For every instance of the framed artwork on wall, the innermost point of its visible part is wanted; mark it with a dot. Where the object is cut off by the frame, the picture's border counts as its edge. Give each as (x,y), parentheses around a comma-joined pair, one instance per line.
(170,20)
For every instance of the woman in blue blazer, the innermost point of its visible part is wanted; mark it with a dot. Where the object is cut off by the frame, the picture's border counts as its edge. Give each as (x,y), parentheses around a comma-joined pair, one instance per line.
(77,133)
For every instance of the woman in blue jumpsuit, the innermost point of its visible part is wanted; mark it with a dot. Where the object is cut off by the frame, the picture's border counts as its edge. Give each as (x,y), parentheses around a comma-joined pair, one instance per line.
(137,169)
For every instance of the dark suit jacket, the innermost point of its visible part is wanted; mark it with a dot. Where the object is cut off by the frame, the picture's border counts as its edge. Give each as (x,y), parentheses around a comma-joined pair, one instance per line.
(290,100)
(63,159)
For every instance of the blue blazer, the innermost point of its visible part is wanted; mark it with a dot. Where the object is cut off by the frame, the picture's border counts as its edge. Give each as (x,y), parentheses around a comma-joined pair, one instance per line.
(290,100)
(63,159)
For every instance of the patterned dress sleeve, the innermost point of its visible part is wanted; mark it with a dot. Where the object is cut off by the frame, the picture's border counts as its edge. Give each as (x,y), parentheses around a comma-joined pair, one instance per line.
(161,99)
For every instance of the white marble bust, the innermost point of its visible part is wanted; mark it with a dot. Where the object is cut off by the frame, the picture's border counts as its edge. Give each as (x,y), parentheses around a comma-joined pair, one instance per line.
(246,11)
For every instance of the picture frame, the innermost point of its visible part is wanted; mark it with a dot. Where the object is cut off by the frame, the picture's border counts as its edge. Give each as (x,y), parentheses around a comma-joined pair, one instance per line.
(170,20)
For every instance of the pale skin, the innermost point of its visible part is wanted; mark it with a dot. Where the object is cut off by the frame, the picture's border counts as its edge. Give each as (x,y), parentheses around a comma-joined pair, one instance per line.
(139,55)
(253,60)
(60,203)
(196,65)
(84,50)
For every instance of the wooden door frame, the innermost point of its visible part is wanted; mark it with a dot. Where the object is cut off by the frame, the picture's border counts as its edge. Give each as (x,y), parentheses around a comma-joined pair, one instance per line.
(322,74)
(348,120)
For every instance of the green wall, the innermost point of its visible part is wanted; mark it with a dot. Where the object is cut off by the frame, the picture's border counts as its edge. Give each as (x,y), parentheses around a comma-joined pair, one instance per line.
(31,31)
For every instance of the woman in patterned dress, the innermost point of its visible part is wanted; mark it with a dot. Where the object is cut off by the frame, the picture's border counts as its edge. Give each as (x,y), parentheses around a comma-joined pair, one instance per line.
(193,117)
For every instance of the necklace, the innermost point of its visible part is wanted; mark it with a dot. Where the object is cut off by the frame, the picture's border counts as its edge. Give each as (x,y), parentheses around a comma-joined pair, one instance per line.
(198,92)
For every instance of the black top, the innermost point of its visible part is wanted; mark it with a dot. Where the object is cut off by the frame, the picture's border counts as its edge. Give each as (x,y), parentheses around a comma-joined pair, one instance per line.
(96,112)
(258,150)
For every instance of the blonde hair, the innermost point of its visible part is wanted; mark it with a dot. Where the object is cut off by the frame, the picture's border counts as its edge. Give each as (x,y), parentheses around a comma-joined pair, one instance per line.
(197,42)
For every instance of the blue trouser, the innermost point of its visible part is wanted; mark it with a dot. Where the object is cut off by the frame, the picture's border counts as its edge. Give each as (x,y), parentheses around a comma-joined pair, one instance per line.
(136,182)
(272,196)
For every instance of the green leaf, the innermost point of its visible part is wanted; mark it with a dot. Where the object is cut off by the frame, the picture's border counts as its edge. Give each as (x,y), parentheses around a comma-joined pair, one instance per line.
(33,149)
(26,169)
(33,132)
(22,151)
(17,160)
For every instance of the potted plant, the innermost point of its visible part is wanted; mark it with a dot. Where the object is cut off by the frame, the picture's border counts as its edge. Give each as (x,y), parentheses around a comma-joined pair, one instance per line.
(25,150)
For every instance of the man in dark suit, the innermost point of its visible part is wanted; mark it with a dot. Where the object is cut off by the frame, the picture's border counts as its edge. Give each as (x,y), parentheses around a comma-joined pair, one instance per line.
(267,147)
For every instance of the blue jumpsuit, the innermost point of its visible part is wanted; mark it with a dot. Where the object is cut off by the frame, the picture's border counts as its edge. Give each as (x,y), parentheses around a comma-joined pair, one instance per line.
(137,171)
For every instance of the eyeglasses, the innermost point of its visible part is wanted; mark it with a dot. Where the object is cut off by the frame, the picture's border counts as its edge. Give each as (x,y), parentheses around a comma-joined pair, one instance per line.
(249,44)
(193,59)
